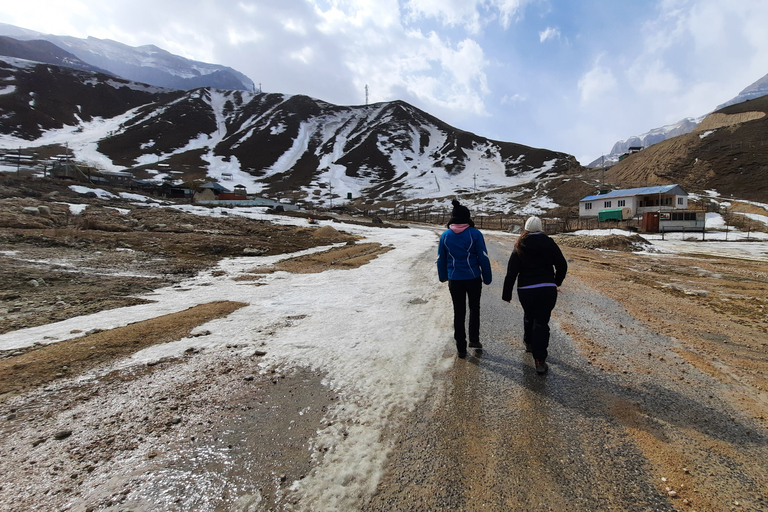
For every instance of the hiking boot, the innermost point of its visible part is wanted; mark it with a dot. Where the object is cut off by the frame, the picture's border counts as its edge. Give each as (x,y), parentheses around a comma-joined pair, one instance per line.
(475,344)
(541,367)
(528,348)
(462,355)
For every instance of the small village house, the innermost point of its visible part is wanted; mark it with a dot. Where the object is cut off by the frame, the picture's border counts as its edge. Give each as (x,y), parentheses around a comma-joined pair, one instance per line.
(635,200)
(663,207)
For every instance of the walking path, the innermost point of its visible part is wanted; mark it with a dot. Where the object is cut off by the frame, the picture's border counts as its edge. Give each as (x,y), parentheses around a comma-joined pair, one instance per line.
(494,435)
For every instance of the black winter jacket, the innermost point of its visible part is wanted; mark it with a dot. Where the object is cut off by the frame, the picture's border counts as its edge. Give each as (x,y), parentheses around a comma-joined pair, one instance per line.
(539,261)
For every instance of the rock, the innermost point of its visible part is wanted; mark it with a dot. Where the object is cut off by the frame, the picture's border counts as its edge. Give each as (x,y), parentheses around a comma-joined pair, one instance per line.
(62,434)
(247,503)
(33,282)
(254,251)
(259,353)
(44,210)
(38,441)
(30,210)
(248,378)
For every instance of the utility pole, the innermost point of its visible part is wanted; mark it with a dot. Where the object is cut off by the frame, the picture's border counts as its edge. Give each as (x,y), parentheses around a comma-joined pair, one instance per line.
(436,182)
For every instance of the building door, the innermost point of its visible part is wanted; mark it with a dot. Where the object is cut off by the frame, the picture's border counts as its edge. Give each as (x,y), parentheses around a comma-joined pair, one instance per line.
(651,222)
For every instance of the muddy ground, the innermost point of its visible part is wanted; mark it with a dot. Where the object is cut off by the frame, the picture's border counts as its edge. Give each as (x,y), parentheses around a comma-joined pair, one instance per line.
(56,265)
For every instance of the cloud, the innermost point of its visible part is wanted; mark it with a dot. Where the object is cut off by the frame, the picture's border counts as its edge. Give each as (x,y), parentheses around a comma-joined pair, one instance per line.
(303,55)
(549,33)
(398,62)
(595,83)
(653,77)
(472,15)
(513,100)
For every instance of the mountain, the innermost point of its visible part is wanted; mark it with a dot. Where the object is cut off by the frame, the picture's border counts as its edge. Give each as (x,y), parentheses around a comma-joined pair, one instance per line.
(687,125)
(42,51)
(146,64)
(279,145)
(654,136)
(726,152)
(755,90)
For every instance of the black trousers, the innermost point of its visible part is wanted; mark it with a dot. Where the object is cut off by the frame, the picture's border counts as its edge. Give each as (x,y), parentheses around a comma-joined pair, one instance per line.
(461,290)
(538,304)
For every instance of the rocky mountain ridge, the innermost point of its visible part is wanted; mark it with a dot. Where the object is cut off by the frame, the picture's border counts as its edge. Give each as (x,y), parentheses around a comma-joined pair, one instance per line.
(146,64)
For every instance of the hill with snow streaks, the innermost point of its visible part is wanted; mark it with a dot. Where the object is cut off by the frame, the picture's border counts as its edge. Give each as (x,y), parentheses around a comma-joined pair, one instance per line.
(279,145)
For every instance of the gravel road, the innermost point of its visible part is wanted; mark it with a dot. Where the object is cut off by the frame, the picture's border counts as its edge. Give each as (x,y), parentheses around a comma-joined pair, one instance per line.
(643,430)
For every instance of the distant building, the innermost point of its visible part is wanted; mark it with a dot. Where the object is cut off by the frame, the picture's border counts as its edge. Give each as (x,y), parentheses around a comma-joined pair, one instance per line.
(635,201)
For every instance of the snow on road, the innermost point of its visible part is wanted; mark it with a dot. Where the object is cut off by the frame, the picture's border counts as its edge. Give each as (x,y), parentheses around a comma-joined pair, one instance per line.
(378,332)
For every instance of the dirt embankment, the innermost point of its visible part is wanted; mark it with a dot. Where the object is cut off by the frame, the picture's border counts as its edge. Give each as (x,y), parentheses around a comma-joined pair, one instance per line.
(56,264)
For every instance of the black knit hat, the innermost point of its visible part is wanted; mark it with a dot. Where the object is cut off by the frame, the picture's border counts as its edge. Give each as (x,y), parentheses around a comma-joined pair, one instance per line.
(460,214)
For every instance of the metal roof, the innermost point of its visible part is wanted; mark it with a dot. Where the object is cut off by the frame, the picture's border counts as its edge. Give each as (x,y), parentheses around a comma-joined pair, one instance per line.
(642,191)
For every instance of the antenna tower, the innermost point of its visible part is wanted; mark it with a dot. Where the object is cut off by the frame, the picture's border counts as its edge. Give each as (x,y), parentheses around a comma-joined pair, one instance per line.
(366,94)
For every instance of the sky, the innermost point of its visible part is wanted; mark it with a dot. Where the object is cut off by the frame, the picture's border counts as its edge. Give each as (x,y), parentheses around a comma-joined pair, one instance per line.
(556,74)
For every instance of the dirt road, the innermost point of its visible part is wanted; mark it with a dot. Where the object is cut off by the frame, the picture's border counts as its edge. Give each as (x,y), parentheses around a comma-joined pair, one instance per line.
(621,422)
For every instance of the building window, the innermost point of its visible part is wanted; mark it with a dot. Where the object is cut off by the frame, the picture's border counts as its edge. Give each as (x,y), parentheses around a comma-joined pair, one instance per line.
(621,202)
(607,204)
(587,206)
(680,201)
(683,216)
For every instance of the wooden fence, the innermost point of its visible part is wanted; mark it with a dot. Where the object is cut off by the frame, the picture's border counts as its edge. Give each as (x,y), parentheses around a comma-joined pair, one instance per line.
(500,221)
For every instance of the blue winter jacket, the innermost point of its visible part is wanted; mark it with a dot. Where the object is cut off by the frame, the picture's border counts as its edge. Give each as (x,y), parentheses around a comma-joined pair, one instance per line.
(463,256)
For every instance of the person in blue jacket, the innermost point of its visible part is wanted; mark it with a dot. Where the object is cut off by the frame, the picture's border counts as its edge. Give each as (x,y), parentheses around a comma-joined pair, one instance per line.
(462,260)
(539,267)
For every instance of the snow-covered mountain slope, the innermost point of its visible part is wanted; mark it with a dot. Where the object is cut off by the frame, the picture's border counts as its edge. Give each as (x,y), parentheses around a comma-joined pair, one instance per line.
(284,146)
(42,51)
(649,138)
(146,64)
(755,90)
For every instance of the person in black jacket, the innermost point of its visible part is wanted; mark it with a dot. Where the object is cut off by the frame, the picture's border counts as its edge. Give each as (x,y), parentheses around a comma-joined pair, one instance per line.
(538,266)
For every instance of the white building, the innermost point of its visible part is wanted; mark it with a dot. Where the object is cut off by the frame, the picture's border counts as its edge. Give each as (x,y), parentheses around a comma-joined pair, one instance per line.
(628,203)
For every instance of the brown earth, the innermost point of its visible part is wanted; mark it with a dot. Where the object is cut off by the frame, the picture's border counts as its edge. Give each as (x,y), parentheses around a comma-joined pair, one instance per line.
(56,265)
(717,307)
